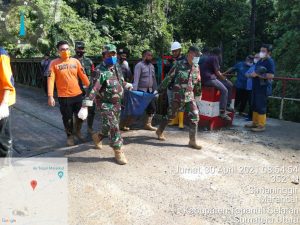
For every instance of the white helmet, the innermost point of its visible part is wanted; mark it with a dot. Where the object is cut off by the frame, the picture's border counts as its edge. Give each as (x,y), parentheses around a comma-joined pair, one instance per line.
(175,45)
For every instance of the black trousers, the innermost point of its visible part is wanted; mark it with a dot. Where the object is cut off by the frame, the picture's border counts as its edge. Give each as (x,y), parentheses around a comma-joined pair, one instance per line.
(241,99)
(45,84)
(69,106)
(5,137)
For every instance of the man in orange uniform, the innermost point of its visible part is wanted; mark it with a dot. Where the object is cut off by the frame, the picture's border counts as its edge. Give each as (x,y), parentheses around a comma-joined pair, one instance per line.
(7,99)
(66,72)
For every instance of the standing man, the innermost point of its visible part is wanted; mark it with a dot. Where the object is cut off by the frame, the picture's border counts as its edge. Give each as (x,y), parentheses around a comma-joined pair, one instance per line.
(45,66)
(7,99)
(186,83)
(261,86)
(176,54)
(249,85)
(89,69)
(145,80)
(122,60)
(109,90)
(65,73)
(212,77)
(241,82)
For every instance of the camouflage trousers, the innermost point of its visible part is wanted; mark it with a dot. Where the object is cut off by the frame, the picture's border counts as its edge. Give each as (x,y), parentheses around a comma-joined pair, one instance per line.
(110,115)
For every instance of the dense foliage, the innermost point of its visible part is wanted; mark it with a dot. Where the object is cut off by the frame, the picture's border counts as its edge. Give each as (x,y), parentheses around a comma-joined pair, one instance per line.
(153,24)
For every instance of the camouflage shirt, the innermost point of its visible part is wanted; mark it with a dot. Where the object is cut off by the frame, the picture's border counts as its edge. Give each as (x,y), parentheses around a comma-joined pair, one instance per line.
(108,86)
(186,81)
(87,64)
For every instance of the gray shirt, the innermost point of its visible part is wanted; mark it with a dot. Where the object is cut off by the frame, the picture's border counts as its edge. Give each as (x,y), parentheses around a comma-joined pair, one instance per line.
(144,77)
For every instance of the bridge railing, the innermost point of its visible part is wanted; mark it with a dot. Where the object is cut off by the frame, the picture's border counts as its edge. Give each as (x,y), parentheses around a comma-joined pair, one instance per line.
(29,72)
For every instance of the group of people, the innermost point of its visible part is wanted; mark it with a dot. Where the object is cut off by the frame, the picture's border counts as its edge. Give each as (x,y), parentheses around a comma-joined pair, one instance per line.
(82,87)
(253,86)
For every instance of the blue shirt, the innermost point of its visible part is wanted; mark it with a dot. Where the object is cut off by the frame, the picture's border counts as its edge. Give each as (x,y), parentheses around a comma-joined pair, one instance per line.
(249,79)
(269,64)
(241,68)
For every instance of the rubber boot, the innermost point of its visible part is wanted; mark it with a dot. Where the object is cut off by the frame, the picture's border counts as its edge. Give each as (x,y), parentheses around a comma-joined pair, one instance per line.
(97,138)
(254,123)
(120,156)
(78,125)
(174,121)
(161,129)
(181,120)
(148,123)
(70,140)
(193,137)
(261,123)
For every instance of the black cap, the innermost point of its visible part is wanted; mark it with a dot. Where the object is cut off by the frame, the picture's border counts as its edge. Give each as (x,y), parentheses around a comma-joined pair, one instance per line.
(79,44)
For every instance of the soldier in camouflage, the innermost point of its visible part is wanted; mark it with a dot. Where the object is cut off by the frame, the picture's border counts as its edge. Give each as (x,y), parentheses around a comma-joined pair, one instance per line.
(186,75)
(89,69)
(108,92)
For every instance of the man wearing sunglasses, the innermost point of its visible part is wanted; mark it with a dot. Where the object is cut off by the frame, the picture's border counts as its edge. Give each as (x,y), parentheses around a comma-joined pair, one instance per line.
(65,73)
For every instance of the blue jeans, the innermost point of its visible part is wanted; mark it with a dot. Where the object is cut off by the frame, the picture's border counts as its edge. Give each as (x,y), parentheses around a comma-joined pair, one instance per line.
(225,87)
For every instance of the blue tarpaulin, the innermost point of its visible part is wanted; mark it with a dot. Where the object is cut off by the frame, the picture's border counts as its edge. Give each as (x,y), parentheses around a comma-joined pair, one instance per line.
(135,102)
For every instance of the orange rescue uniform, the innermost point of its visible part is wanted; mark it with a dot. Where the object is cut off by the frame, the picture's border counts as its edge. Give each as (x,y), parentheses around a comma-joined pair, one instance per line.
(65,74)
(6,78)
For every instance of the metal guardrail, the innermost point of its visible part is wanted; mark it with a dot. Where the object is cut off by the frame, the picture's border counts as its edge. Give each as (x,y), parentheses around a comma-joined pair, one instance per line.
(283,97)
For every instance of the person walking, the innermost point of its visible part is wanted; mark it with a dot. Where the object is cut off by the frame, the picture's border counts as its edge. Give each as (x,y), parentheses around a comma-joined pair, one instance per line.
(187,82)
(65,73)
(108,89)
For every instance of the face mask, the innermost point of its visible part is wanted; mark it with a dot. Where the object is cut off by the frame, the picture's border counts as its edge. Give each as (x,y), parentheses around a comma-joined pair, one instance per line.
(65,54)
(80,53)
(111,60)
(262,55)
(255,61)
(196,60)
(249,64)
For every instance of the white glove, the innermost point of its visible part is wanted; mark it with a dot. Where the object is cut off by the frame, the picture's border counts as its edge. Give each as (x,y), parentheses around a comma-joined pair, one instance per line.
(155,92)
(129,86)
(83,113)
(4,111)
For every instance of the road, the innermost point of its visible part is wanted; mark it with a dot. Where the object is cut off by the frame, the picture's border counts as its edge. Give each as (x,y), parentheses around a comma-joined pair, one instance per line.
(236,174)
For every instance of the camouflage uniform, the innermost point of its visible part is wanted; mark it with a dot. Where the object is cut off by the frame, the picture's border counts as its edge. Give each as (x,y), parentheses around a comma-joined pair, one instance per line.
(107,93)
(89,69)
(186,86)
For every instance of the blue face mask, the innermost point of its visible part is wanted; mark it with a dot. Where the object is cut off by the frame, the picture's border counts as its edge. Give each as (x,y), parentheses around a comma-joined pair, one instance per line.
(111,60)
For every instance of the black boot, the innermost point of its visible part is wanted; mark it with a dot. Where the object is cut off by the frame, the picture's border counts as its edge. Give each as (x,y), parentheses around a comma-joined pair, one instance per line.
(78,125)
(90,121)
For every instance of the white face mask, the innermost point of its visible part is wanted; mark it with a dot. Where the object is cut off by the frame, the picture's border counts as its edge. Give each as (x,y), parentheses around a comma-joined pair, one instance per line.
(262,55)
(255,61)
(196,60)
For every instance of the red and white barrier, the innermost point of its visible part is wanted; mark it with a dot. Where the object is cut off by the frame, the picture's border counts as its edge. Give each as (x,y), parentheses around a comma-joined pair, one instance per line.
(210,110)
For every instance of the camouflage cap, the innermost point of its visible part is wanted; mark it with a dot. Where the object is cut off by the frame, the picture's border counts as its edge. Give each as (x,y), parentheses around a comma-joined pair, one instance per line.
(109,48)
(79,44)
